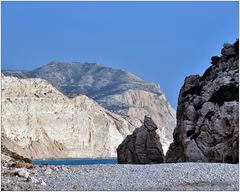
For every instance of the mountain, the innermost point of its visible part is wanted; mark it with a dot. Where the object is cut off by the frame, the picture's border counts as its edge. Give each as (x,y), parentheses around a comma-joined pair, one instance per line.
(116,90)
(208,113)
(38,121)
(89,79)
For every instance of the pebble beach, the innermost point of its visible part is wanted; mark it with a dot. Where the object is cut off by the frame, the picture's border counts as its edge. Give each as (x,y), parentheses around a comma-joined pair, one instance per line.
(159,177)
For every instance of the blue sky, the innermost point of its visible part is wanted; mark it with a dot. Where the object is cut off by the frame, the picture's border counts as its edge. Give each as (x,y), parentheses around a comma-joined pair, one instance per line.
(161,42)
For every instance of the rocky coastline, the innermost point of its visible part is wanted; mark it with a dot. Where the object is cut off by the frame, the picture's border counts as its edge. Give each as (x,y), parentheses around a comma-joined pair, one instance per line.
(203,156)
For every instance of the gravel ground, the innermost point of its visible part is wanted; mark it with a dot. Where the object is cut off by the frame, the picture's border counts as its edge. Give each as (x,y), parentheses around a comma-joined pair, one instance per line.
(179,176)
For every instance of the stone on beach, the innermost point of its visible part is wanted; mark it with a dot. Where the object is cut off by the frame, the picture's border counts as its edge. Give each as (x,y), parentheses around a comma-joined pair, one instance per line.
(142,147)
(23,173)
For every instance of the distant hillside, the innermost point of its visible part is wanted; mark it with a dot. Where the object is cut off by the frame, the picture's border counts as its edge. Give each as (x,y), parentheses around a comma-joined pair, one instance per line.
(92,80)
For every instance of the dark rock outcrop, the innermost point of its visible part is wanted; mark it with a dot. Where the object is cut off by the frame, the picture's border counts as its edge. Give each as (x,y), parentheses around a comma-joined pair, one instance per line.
(12,159)
(208,113)
(142,147)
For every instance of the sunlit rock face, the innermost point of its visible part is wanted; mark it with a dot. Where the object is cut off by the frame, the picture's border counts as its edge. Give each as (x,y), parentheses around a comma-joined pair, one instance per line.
(38,121)
(116,90)
(208,113)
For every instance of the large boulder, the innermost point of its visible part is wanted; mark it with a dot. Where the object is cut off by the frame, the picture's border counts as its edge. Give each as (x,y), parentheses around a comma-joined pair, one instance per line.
(208,113)
(142,147)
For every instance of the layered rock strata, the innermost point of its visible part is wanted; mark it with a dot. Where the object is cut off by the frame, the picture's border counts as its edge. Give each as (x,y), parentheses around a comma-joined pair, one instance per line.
(208,113)
(40,122)
(142,147)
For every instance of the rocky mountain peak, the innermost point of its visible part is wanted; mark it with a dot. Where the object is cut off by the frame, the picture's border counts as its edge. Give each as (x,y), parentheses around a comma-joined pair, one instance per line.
(83,78)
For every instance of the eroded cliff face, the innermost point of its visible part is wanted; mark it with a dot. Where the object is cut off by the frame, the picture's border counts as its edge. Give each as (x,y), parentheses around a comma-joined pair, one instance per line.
(40,122)
(140,103)
(116,90)
(208,113)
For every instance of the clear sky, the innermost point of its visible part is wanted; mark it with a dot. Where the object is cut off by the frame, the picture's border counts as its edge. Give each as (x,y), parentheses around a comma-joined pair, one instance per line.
(161,42)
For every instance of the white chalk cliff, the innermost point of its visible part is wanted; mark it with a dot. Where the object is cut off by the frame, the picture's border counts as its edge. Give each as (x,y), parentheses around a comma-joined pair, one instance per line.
(44,123)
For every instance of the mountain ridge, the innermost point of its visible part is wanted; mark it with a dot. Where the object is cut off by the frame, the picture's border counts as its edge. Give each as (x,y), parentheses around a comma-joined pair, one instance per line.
(116,75)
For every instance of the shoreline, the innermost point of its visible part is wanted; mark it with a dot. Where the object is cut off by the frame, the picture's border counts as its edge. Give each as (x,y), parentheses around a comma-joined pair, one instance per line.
(56,159)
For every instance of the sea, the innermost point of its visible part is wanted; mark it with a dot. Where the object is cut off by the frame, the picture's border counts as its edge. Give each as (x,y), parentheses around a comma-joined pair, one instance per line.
(73,162)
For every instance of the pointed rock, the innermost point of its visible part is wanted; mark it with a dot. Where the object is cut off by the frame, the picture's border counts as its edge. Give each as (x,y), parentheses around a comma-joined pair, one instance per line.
(142,147)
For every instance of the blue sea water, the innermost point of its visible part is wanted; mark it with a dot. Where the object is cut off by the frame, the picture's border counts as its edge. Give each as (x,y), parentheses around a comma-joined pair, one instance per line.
(74,161)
